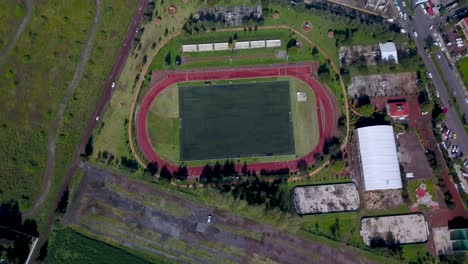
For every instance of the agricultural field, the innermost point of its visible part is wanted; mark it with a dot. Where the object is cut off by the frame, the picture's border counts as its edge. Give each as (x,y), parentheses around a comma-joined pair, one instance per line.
(68,246)
(11,13)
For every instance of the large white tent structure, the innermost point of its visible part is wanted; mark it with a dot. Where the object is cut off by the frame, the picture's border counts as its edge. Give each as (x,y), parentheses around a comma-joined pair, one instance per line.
(379,161)
(388,51)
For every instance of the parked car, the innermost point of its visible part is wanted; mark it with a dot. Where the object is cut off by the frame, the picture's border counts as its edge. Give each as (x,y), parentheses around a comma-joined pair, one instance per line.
(209,219)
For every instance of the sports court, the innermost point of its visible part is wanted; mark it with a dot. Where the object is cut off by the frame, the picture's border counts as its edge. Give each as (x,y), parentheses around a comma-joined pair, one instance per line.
(235,120)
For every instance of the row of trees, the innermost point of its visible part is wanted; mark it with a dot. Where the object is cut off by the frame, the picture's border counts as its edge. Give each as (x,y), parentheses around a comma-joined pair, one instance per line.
(14,229)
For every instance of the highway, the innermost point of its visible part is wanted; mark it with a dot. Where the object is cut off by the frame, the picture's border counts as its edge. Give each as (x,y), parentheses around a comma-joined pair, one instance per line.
(421,23)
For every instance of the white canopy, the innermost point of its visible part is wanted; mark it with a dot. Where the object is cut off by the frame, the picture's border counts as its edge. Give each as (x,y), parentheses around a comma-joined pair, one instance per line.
(379,159)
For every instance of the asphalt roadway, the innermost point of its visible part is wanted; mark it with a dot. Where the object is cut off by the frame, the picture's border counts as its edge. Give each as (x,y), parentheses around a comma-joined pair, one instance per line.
(105,97)
(421,24)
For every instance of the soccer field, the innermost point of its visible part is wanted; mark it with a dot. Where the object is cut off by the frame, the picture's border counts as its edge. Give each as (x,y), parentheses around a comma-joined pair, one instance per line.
(235,120)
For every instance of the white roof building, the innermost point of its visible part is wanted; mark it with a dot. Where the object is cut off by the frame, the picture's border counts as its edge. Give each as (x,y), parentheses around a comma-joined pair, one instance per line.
(388,51)
(221,46)
(189,48)
(379,161)
(243,45)
(205,47)
(273,43)
(257,44)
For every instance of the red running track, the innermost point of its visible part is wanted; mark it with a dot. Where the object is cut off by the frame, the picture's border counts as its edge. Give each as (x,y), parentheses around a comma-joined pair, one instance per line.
(302,72)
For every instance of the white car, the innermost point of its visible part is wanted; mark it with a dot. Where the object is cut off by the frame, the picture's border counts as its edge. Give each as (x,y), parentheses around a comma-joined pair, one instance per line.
(429,75)
(209,219)
(415,34)
(438,56)
(431,27)
(113,85)
(97,118)
(403,3)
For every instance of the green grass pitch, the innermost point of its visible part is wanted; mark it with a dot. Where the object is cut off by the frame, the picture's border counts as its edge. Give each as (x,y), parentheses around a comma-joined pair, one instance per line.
(235,120)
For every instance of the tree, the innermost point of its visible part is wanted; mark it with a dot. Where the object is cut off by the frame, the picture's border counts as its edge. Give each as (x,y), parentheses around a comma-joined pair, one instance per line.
(314,51)
(302,166)
(367,110)
(165,173)
(168,59)
(43,251)
(217,171)
(152,167)
(181,173)
(63,203)
(88,151)
(206,174)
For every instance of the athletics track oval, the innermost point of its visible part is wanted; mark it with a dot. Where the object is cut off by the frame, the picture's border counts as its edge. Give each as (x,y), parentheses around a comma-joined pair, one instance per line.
(301,72)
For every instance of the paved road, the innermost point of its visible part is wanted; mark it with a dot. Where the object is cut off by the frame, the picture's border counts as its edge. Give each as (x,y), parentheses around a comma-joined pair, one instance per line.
(105,97)
(421,24)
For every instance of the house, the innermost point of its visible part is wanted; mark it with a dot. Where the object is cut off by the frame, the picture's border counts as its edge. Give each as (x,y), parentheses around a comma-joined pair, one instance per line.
(388,51)
(463,24)
(398,109)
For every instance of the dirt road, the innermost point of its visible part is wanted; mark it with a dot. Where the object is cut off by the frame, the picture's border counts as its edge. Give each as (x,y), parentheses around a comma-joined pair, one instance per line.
(139,216)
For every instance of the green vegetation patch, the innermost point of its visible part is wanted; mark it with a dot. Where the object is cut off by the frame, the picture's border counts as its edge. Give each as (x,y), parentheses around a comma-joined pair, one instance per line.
(68,246)
(463,66)
(236,120)
(11,13)
(304,115)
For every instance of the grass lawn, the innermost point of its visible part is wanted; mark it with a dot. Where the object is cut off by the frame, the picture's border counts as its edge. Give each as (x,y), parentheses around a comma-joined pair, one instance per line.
(235,120)
(11,13)
(163,121)
(463,67)
(414,184)
(69,246)
(304,116)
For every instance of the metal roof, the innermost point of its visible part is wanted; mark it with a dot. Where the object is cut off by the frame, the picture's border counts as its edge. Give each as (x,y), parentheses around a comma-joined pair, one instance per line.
(380,166)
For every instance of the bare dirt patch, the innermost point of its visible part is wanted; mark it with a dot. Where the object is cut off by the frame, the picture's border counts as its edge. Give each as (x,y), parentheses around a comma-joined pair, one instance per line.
(141,217)
(326,198)
(383,85)
(384,199)
(412,157)
(352,54)
(411,228)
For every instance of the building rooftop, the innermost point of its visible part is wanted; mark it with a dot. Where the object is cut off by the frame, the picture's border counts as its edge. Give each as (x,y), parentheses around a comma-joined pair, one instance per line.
(398,108)
(379,161)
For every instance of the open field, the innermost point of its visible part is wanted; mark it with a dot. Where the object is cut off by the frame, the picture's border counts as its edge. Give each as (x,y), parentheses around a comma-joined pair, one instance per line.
(102,55)
(11,13)
(235,120)
(68,246)
(101,205)
(33,76)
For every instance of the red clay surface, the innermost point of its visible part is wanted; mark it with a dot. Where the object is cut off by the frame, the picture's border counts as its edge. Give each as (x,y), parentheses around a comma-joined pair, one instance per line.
(301,72)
